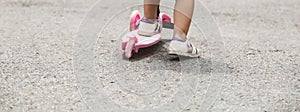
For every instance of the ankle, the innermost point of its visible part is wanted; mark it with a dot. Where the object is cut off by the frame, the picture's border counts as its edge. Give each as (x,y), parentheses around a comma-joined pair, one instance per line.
(182,36)
(179,39)
(150,21)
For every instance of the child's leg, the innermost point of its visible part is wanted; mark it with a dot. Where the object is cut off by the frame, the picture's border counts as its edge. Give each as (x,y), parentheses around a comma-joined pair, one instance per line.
(179,45)
(151,9)
(183,13)
(149,25)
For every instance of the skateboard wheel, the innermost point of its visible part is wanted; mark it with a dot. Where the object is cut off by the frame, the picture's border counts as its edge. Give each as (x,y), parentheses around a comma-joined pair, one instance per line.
(134,18)
(164,17)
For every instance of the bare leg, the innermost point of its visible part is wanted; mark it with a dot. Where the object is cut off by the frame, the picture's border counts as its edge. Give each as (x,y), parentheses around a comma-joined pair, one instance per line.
(183,13)
(151,8)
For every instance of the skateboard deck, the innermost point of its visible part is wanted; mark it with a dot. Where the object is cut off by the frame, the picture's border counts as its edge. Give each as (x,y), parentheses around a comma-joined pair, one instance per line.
(138,42)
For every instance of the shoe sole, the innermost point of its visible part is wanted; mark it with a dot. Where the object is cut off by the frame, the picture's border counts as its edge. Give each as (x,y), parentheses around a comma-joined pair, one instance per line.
(184,54)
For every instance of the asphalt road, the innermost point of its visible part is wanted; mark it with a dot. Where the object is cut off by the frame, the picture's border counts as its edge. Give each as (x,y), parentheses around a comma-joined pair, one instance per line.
(259,69)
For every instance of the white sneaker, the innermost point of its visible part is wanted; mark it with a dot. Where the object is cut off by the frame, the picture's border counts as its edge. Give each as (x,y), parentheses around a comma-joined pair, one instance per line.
(183,48)
(149,27)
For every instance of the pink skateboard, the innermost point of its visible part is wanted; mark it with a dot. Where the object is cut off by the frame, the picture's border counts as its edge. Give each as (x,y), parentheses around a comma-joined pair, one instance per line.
(133,42)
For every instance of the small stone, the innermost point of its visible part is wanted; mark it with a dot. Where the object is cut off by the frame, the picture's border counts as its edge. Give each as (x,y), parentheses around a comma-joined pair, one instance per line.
(222,99)
(149,60)
(113,40)
(250,53)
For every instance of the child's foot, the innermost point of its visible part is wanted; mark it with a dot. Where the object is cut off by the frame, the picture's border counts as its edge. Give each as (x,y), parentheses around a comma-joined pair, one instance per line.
(149,27)
(182,48)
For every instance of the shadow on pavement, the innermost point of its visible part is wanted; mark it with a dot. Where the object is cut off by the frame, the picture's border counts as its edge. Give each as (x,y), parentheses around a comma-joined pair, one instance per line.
(177,63)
